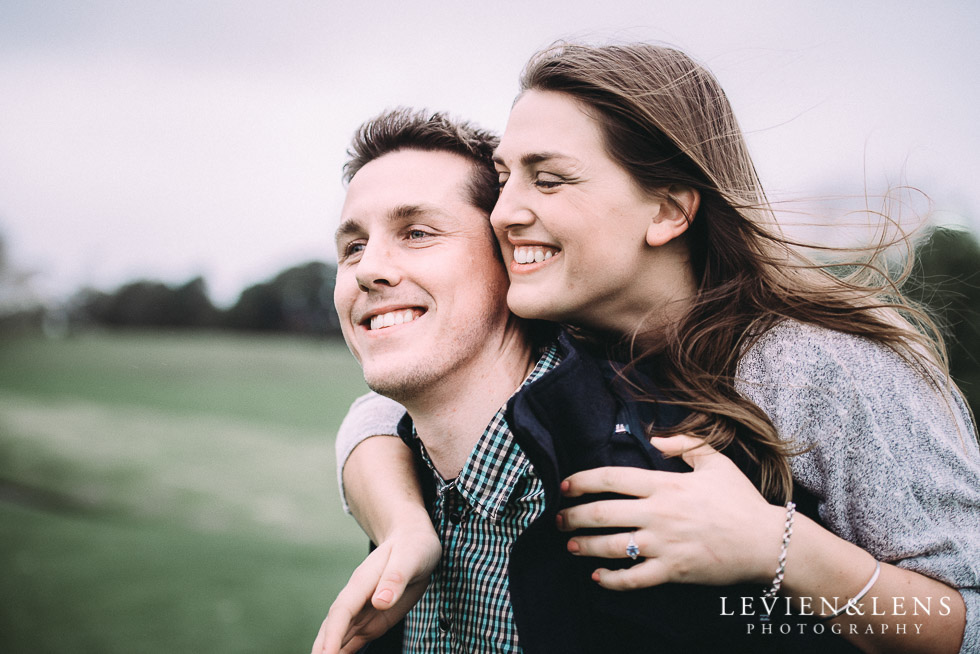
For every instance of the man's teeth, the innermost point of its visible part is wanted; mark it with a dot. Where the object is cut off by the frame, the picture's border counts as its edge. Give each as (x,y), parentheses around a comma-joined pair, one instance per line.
(393,318)
(532,253)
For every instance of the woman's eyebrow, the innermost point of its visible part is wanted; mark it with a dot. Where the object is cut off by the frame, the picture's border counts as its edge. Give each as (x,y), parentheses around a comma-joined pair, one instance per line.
(531,158)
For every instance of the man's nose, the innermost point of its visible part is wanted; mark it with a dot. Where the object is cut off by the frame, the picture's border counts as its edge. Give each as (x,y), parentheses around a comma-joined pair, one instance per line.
(377,268)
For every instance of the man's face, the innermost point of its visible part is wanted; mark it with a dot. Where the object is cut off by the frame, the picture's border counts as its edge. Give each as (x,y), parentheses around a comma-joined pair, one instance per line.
(420,291)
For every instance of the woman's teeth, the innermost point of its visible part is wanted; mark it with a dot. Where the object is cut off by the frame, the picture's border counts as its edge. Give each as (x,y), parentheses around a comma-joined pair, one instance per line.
(391,318)
(533,253)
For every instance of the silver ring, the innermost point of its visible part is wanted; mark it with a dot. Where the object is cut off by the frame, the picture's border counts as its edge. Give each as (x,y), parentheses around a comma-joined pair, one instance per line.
(632,550)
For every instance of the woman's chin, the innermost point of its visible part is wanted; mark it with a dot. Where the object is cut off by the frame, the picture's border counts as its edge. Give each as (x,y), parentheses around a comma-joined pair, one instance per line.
(542,306)
(533,306)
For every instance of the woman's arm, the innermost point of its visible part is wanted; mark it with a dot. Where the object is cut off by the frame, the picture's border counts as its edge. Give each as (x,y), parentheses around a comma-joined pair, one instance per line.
(376,470)
(893,461)
(382,491)
(712,527)
(358,616)
(891,454)
(824,565)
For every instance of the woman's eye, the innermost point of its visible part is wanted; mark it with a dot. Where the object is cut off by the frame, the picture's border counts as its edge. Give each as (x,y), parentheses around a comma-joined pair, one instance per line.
(548,182)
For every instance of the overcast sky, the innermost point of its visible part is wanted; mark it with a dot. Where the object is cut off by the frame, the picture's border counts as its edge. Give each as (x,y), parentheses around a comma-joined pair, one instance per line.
(170,139)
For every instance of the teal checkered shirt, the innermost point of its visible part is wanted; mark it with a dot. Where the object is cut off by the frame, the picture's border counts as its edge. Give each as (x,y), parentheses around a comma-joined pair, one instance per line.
(478,516)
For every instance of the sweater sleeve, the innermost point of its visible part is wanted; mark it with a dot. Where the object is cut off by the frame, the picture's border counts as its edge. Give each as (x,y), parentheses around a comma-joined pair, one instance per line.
(369,415)
(893,460)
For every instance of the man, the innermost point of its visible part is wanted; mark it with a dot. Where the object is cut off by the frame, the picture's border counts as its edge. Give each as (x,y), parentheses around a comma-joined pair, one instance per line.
(421,292)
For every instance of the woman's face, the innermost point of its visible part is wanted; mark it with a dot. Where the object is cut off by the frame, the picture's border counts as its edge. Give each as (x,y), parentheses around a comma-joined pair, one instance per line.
(571,221)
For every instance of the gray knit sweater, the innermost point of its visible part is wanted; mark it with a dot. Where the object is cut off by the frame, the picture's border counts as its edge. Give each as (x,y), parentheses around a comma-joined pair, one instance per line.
(894,464)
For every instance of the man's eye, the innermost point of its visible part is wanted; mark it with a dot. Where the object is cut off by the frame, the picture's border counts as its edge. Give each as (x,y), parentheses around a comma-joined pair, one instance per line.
(416,234)
(353,248)
(500,182)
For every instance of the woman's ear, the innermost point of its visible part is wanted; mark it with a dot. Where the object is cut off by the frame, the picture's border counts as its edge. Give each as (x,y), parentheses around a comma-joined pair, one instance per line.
(675,214)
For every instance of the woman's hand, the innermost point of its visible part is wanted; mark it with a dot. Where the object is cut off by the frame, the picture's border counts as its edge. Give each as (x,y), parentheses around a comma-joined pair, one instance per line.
(710,526)
(380,592)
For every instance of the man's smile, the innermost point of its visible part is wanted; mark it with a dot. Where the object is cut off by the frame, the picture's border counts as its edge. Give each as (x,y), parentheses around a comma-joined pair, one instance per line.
(391,317)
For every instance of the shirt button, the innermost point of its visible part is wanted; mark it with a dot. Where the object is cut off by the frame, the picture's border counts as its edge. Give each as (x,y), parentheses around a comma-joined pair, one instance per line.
(443,625)
(455,517)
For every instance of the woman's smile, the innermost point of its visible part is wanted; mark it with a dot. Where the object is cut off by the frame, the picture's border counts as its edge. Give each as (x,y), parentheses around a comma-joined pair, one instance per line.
(525,254)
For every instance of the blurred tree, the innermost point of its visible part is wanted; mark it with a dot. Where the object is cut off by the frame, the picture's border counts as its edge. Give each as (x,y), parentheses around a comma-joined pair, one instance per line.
(147,303)
(946,278)
(299,299)
(21,306)
(191,306)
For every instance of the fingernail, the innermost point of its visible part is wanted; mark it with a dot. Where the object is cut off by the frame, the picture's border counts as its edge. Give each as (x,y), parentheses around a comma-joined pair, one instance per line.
(595,576)
(573,547)
(565,486)
(559,521)
(385,596)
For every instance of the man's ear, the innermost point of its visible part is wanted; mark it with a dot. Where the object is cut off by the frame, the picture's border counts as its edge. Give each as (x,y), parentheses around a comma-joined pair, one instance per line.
(677,211)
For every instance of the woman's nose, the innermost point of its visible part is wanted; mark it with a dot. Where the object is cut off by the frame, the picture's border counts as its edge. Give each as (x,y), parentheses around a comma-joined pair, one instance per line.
(510,211)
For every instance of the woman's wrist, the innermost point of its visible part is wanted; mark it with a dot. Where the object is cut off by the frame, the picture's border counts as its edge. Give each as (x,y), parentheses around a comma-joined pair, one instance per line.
(854,602)
(821,564)
(382,489)
(777,580)
(409,520)
(769,533)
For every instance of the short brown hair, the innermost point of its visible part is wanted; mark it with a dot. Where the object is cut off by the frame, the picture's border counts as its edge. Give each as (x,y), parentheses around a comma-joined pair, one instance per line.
(414,129)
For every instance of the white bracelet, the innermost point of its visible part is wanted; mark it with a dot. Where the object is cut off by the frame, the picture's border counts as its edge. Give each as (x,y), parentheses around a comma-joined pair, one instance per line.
(777,581)
(852,603)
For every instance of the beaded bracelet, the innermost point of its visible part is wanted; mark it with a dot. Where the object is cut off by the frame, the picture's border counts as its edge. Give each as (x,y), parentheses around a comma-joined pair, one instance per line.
(777,581)
(852,603)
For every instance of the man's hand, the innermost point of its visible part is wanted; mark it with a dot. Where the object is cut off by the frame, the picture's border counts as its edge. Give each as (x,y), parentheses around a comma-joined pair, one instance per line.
(380,592)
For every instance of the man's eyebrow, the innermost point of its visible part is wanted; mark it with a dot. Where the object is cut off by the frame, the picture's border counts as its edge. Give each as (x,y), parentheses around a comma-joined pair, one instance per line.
(408,211)
(402,212)
(531,158)
(347,228)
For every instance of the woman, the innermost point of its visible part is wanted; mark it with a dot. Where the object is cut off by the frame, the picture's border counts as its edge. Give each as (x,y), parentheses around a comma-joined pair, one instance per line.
(630,208)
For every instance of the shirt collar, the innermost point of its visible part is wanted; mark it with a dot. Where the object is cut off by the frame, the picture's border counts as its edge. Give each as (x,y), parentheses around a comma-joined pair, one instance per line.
(497,463)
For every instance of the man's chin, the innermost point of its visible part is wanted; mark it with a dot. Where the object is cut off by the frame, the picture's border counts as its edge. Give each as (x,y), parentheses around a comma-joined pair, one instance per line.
(399,387)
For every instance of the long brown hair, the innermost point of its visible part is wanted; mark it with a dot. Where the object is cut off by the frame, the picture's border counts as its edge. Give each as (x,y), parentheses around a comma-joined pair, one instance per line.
(666,120)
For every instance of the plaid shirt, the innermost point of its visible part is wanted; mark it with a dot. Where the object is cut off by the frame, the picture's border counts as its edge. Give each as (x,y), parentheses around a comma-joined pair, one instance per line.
(478,516)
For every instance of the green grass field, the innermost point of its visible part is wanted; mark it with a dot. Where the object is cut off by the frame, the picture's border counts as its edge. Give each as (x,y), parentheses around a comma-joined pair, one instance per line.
(171,493)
